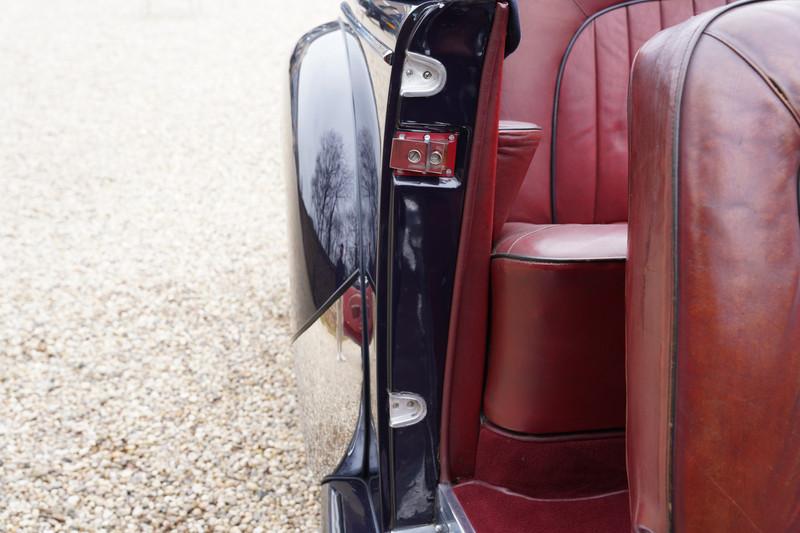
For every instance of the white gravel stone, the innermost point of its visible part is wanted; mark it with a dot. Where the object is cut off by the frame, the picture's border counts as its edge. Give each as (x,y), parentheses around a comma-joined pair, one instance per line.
(145,378)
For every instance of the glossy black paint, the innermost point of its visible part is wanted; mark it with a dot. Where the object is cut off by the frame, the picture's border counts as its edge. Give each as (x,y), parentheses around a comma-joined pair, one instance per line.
(347,506)
(420,224)
(406,249)
(426,219)
(333,202)
(333,179)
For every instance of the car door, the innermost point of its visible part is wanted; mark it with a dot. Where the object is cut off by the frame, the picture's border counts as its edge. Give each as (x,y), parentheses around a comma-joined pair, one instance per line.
(382,113)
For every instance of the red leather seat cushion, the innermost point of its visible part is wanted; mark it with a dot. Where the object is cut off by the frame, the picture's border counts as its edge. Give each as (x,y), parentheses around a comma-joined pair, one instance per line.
(557,347)
(563,242)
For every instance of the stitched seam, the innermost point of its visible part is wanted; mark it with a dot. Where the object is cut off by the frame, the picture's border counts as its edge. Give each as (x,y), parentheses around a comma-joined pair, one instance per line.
(677,91)
(678,87)
(769,80)
(579,8)
(508,492)
(677,83)
(528,234)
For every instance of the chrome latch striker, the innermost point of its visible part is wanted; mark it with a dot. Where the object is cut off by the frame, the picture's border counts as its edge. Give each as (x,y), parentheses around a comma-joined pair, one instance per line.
(422,76)
(406,409)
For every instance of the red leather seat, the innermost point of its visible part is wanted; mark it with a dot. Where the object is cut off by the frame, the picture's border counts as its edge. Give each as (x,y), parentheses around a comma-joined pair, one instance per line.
(714,272)
(562,243)
(556,357)
(557,295)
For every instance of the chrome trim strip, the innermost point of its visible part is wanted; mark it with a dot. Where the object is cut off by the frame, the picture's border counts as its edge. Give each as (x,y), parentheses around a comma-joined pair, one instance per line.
(386,53)
(335,510)
(450,513)
(428,528)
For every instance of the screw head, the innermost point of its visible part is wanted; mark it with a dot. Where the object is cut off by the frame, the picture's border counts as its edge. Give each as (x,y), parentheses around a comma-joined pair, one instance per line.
(436,158)
(414,156)
(452,137)
(427,75)
(449,172)
(409,72)
(439,528)
(427,137)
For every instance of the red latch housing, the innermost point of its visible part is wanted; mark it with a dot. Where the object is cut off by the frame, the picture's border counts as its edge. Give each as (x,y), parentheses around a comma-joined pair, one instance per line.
(424,153)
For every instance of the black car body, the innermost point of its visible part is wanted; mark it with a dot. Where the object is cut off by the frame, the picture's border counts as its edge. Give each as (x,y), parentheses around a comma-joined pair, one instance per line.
(342,75)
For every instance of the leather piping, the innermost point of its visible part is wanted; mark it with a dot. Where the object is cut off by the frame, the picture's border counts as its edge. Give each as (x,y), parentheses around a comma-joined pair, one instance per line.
(769,80)
(551,260)
(554,437)
(561,69)
(679,89)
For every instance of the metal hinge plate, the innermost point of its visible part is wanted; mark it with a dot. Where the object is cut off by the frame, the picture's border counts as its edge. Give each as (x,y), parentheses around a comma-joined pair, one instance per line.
(406,409)
(424,153)
(422,76)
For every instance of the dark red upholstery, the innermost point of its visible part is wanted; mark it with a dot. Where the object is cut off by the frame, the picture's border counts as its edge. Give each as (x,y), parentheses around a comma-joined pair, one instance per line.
(492,509)
(582,110)
(596,40)
(552,468)
(563,242)
(516,145)
(556,359)
(714,275)
(557,342)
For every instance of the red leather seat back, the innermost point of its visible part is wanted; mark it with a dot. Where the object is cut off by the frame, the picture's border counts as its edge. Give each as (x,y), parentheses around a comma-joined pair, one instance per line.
(713,281)
(570,76)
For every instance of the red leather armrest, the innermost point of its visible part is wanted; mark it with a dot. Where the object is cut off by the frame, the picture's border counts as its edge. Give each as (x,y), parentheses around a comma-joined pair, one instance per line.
(516,147)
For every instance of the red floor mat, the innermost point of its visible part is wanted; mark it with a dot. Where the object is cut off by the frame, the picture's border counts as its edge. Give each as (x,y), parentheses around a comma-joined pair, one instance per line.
(492,509)
(552,470)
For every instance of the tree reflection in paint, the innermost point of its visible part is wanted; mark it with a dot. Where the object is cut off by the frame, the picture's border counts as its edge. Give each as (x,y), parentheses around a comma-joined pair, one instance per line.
(332,197)
(335,200)
(368,184)
(328,186)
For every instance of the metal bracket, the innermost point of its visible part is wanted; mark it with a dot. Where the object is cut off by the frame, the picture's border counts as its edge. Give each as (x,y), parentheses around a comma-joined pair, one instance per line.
(426,153)
(406,409)
(422,76)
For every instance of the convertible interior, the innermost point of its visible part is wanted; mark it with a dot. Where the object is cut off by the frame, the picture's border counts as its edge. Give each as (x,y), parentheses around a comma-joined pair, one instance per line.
(535,398)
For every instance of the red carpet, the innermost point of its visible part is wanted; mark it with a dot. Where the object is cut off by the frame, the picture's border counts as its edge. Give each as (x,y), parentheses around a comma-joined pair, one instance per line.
(551,469)
(492,509)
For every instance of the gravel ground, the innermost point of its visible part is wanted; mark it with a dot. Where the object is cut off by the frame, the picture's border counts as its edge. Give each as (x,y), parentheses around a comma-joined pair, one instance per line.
(145,376)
